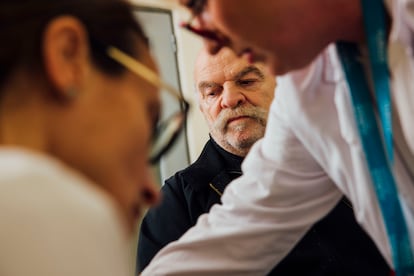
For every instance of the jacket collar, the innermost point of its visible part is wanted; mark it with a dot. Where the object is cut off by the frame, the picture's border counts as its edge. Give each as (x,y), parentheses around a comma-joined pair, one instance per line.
(214,165)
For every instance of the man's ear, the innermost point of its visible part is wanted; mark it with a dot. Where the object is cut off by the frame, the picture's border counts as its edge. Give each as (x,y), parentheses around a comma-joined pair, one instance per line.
(66,54)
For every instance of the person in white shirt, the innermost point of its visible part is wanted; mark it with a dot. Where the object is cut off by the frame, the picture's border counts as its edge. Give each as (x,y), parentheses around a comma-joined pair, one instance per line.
(229,87)
(79,103)
(312,152)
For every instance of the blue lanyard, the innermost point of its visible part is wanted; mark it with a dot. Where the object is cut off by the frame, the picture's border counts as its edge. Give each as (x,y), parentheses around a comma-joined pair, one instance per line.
(379,156)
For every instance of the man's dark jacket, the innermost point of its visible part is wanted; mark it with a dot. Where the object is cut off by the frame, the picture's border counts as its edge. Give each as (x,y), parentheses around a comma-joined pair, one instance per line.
(334,246)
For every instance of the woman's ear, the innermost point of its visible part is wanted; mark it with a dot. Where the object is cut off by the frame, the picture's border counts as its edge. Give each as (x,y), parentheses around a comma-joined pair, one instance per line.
(66,54)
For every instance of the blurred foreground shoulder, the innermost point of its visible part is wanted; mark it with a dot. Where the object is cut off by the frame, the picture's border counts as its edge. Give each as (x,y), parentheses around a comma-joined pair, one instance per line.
(54,222)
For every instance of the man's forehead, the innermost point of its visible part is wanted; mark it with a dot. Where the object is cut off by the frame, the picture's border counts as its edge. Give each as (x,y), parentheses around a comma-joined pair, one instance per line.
(228,71)
(219,64)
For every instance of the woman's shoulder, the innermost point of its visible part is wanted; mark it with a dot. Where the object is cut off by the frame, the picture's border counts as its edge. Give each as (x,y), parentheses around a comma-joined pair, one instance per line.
(43,187)
(50,212)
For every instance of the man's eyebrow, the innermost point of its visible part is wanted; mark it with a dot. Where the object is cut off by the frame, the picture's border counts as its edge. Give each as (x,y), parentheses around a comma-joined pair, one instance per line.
(206,84)
(250,69)
(245,71)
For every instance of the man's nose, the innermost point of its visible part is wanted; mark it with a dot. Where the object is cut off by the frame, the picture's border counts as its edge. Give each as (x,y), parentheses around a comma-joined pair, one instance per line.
(232,97)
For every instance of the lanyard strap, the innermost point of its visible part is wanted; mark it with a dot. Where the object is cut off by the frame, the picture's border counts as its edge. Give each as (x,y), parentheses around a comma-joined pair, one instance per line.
(378,156)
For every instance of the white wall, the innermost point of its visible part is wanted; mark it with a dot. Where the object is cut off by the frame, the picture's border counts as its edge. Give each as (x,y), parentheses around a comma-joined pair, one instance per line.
(188,47)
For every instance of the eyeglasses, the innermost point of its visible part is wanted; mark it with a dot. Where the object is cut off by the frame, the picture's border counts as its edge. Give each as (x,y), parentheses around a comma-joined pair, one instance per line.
(206,34)
(166,132)
(196,7)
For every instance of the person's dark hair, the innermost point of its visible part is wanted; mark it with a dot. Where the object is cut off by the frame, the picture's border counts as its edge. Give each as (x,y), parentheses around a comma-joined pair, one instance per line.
(22,22)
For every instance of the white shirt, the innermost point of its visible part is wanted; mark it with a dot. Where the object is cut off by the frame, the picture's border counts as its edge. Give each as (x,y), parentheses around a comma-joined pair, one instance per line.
(54,222)
(311,154)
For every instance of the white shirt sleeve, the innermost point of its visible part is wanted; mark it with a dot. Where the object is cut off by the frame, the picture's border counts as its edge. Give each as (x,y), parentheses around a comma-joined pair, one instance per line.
(282,192)
(401,62)
(407,8)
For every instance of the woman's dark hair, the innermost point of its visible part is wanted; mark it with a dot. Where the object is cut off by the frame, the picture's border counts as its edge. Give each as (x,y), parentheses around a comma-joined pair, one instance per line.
(22,23)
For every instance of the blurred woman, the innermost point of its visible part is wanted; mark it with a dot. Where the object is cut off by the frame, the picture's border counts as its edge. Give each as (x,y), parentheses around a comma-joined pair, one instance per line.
(78,106)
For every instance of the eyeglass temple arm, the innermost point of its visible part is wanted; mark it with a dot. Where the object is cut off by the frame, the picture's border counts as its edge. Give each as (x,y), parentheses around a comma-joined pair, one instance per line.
(141,70)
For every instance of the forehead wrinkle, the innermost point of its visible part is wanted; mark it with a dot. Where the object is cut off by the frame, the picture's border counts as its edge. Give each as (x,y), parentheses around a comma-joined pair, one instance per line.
(208,73)
(250,69)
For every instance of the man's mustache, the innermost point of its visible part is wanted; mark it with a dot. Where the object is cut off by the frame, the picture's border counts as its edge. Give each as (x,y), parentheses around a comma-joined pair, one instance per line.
(256,113)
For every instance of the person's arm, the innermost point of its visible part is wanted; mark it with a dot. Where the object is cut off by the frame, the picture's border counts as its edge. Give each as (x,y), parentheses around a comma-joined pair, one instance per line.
(164,223)
(282,192)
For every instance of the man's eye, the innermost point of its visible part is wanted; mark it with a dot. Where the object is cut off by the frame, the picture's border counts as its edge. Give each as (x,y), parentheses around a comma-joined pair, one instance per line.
(196,6)
(191,3)
(247,82)
(211,93)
